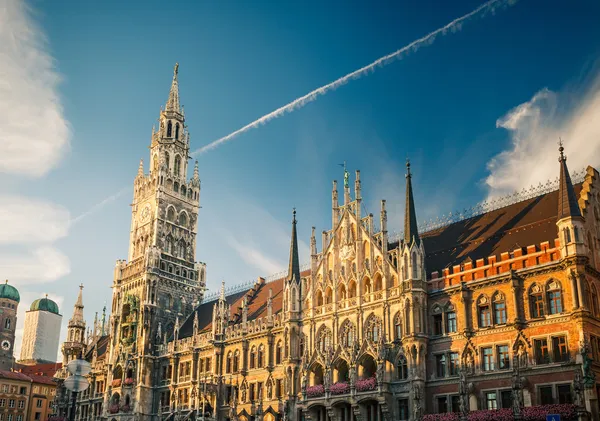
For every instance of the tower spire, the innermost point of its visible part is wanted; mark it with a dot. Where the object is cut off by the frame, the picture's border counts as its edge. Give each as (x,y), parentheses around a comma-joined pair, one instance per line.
(173,101)
(567,199)
(410,217)
(294,264)
(77,317)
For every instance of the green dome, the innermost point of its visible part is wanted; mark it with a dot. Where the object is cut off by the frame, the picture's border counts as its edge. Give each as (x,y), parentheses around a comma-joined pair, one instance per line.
(9,292)
(44,304)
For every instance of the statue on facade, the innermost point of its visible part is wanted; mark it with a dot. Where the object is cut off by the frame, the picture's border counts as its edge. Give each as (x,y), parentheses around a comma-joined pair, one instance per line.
(522,355)
(304,381)
(470,363)
(352,375)
(417,406)
(589,377)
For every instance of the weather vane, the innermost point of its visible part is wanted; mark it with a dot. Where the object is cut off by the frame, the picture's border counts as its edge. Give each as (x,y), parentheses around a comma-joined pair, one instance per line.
(346,175)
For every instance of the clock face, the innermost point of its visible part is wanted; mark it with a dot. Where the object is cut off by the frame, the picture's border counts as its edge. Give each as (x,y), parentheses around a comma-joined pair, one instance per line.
(5,345)
(145,213)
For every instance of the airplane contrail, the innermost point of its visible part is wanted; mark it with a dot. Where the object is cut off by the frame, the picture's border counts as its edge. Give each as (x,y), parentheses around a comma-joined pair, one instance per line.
(414,46)
(99,205)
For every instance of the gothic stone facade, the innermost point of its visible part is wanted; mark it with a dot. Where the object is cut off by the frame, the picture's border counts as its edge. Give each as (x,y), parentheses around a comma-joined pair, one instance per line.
(375,329)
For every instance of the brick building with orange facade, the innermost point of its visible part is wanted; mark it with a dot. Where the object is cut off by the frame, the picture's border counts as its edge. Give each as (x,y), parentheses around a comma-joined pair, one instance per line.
(26,397)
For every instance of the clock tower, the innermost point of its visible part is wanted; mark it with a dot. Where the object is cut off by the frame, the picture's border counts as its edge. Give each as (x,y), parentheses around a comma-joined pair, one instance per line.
(9,302)
(161,282)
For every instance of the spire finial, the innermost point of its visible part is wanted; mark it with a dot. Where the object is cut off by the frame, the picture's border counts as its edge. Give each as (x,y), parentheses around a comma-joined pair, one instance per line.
(173,101)
(175,70)
(6,282)
(411,232)
(294,216)
(407,167)
(294,265)
(561,150)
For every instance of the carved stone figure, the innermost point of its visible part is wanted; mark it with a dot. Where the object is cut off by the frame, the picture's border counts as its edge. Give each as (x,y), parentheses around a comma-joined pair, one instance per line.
(304,382)
(380,372)
(517,393)
(578,387)
(522,355)
(352,375)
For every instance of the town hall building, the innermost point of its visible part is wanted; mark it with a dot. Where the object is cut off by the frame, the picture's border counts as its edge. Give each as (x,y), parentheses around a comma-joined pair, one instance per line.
(495,309)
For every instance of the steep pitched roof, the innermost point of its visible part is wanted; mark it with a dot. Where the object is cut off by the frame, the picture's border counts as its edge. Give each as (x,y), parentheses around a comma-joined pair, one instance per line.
(411,233)
(567,200)
(257,305)
(529,222)
(43,369)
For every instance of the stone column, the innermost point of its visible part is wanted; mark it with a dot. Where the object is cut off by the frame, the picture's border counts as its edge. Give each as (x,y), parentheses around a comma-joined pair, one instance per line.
(574,291)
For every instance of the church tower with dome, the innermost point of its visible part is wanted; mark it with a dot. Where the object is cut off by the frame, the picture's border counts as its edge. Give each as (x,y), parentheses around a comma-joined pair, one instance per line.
(41,333)
(9,302)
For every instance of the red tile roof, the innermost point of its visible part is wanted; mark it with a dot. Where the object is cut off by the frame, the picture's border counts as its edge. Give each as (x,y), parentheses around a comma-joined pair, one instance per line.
(43,369)
(13,375)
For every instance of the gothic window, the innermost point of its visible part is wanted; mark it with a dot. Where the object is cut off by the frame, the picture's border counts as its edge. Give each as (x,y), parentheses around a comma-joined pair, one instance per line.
(407,316)
(294,299)
(402,368)
(167,159)
(177,165)
(554,294)
(341,292)
(485,315)
(177,131)
(367,289)
(278,353)
(373,330)
(169,129)
(253,357)
(352,289)
(377,286)
(171,214)
(229,362)
(405,268)
(536,302)
(7,323)
(236,361)
(398,326)
(347,334)
(451,326)
(260,356)
(594,301)
(319,298)
(567,235)
(183,190)
(323,338)
(413,263)
(499,309)
(328,296)
(176,187)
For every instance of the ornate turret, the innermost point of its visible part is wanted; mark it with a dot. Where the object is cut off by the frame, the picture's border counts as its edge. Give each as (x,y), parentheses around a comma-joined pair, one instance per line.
(173,101)
(569,219)
(75,343)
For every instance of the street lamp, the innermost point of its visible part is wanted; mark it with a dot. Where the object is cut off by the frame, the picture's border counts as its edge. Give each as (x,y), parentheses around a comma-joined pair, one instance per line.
(76,382)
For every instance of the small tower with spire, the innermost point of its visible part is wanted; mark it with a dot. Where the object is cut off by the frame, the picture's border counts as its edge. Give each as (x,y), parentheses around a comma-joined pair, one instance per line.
(570,221)
(293,293)
(74,346)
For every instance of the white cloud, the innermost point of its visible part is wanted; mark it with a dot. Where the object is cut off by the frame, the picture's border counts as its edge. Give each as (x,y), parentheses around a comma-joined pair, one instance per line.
(251,253)
(33,266)
(535,127)
(29,221)
(34,133)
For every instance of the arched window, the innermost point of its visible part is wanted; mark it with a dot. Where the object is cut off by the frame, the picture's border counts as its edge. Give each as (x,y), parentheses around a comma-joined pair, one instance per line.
(378,284)
(177,131)
(398,326)
(367,288)
(413,263)
(229,362)
(536,302)
(319,298)
(485,315)
(341,292)
(260,356)
(407,318)
(554,294)
(373,328)
(171,214)
(405,271)
(594,301)
(567,235)
(323,338)
(451,325)
(183,219)
(294,298)
(278,353)
(352,289)
(347,334)
(167,160)
(253,357)
(236,361)
(499,309)
(402,367)
(328,296)
(169,128)
(177,165)
(7,323)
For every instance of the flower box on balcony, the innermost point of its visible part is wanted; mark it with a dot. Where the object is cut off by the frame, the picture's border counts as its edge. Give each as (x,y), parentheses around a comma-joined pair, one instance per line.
(125,408)
(339,388)
(364,385)
(128,381)
(116,383)
(315,391)
(567,412)
(114,409)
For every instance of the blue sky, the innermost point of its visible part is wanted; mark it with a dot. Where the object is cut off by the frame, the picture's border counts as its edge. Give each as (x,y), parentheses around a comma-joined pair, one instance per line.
(478,112)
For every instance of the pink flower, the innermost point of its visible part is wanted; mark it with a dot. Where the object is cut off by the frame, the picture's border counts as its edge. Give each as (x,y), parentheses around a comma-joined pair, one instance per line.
(339,388)
(363,385)
(116,383)
(128,381)
(114,408)
(315,391)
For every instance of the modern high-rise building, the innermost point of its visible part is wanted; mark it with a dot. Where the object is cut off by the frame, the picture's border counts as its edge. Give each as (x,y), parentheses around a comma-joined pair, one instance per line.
(9,302)
(41,333)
